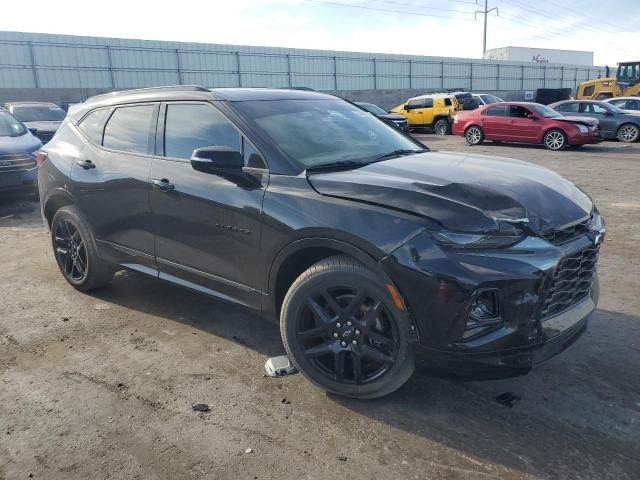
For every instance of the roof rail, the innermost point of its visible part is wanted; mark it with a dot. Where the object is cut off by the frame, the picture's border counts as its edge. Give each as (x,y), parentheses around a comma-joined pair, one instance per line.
(180,88)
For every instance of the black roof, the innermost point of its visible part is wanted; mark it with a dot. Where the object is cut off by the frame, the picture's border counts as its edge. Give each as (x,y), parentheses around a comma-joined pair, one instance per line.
(191,92)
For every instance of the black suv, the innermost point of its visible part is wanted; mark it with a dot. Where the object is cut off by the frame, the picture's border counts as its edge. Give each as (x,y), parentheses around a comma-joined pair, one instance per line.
(371,250)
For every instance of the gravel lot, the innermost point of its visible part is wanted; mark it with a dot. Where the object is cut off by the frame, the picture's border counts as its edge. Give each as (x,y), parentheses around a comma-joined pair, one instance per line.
(101,385)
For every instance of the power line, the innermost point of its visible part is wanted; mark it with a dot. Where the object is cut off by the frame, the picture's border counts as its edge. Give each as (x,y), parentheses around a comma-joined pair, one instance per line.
(400,12)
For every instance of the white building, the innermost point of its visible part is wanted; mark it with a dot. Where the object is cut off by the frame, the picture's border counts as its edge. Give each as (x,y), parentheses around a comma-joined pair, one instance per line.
(540,55)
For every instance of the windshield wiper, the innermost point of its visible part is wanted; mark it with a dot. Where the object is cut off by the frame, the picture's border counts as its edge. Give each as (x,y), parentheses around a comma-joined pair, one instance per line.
(398,153)
(338,165)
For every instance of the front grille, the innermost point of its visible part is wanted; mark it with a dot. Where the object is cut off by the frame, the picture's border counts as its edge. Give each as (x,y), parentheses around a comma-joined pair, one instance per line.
(571,281)
(45,136)
(16,163)
(566,234)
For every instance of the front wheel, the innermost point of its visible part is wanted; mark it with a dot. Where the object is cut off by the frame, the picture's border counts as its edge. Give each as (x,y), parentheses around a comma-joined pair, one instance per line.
(442,127)
(342,330)
(474,135)
(628,133)
(555,139)
(75,251)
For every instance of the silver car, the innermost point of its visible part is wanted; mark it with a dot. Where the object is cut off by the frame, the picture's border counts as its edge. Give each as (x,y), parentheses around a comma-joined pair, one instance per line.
(628,104)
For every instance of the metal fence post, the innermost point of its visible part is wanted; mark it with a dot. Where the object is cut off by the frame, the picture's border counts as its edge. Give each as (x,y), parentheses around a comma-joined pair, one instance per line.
(562,76)
(441,74)
(375,75)
(470,75)
(544,76)
(33,65)
(521,77)
(179,66)
(498,78)
(410,74)
(238,68)
(335,73)
(110,64)
(289,70)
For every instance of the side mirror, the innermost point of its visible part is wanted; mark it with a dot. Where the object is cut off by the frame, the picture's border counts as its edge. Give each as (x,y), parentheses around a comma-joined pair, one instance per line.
(406,108)
(531,116)
(217,160)
(34,131)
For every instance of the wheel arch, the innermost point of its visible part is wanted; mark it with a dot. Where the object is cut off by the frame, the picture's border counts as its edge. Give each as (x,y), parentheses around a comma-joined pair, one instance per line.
(54,201)
(299,255)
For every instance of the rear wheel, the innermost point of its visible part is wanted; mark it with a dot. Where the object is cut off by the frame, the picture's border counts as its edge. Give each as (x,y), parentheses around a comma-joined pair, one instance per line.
(75,251)
(343,331)
(474,135)
(628,133)
(442,127)
(555,139)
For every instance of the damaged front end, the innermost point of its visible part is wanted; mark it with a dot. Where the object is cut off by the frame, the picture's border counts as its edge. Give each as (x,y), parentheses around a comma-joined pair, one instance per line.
(504,302)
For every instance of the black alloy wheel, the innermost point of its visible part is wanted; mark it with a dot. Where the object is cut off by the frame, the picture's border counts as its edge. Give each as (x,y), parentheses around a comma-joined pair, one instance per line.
(70,251)
(348,335)
(343,331)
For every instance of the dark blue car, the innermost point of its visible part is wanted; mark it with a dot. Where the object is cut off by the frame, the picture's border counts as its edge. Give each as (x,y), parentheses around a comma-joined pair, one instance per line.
(18,148)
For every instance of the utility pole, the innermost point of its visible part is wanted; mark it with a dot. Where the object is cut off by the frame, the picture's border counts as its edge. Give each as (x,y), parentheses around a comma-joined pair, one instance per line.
(486,13)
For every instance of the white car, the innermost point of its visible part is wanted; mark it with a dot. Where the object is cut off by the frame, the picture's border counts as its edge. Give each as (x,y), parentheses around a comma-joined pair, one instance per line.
(485,98)
(628,104)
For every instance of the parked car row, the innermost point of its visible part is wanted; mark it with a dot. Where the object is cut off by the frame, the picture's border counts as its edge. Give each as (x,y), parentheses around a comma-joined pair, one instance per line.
(24,128)
(570,123)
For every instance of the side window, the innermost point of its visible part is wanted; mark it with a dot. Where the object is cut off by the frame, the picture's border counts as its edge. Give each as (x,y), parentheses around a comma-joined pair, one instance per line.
(618,103)
(518,112)
(568,107)
(584,108)
(93,124)
(633,104)
(129,129)
(588,91)
(418,103)
(447,102)
(498,111)
(189,127)
(251,156)
(599,110)
(428,103)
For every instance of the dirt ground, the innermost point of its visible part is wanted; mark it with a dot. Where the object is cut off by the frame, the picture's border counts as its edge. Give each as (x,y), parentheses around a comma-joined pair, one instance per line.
(101,385)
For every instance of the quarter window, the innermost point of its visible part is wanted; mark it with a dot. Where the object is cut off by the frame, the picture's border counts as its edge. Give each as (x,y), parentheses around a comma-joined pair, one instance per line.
(568,107)
(129,129)
(498,111)
(189,127)
(93,124)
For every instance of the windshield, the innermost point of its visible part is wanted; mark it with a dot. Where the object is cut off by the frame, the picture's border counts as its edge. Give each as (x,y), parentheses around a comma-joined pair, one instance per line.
(319,132)
(611,108)
(545,111)
(370,107)
(490,99)
(9,126)
(39,113)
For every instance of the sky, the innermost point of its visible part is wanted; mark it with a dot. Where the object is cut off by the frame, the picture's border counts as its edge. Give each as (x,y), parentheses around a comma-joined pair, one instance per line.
(609,28)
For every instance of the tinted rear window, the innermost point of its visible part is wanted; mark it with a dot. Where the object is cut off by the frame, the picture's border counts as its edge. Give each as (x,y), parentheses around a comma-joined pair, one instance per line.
(129,129)
(93,124)
(39,113)
(498,111)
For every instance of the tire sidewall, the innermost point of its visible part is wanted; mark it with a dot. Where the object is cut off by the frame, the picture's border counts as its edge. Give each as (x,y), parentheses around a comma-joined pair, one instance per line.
(446,129)
(627,125)
(564,136)
(481,135)
(95,269)
(293,307)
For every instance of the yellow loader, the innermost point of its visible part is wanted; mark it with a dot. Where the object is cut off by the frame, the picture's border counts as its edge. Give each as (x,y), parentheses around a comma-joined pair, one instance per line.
(626,83)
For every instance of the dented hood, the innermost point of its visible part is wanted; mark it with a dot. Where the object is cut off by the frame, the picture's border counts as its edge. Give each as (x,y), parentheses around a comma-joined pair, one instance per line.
(469,193)
(584,120)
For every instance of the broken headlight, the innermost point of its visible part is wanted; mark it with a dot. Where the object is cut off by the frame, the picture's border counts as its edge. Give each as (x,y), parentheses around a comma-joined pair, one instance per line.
(484,313)
(476,240)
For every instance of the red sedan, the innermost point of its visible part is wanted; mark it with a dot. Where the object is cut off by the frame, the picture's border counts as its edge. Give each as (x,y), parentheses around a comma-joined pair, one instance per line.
(525,122)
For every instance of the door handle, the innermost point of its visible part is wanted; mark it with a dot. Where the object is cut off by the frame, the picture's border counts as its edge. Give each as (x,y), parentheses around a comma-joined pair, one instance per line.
(163,184)
(86,164)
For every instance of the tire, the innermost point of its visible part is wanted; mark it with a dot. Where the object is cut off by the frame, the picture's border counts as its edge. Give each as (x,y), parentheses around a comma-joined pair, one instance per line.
(628,133)
(343,332)
(555,139)
(442,127)
(75,251)
(474,135)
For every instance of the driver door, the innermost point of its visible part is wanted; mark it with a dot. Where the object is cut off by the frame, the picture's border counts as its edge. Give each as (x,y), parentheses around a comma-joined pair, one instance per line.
(207,227)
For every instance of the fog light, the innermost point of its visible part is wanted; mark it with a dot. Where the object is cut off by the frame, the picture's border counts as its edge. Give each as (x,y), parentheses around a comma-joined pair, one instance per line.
(484,313)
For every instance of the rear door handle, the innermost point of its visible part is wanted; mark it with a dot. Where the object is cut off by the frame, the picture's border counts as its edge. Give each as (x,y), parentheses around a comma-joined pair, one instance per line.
(163,184)
(86,164)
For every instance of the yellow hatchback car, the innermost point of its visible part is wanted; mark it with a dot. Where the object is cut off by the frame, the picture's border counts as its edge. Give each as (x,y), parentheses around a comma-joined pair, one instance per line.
(434,111)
